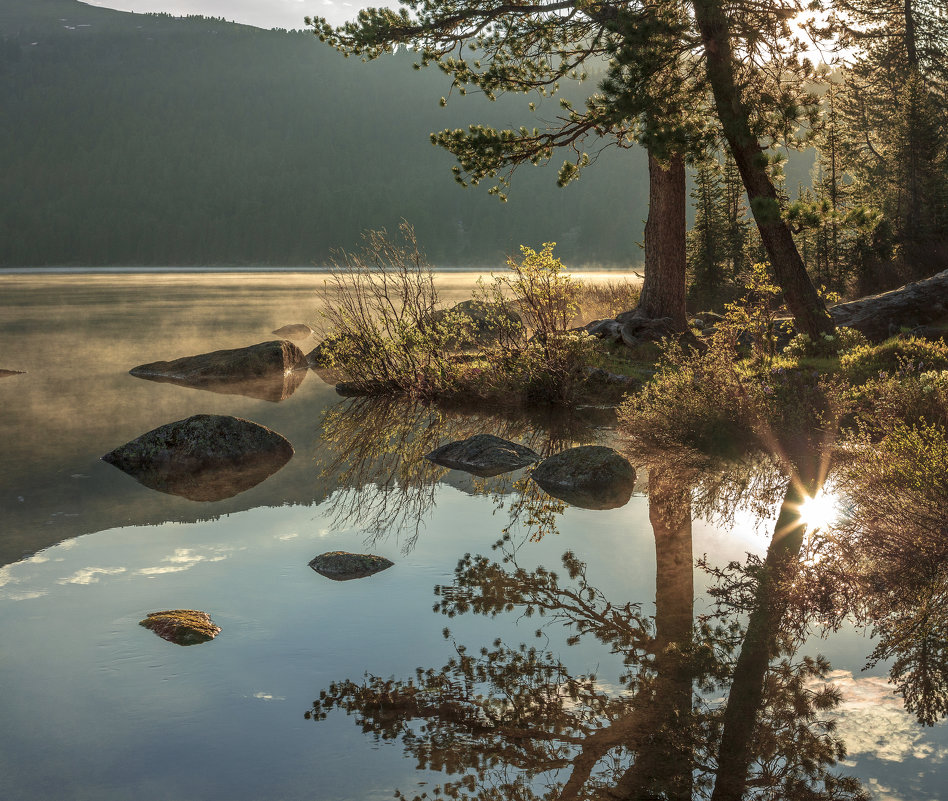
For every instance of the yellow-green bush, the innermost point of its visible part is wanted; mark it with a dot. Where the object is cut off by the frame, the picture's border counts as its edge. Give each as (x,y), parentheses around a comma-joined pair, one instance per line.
(900,357)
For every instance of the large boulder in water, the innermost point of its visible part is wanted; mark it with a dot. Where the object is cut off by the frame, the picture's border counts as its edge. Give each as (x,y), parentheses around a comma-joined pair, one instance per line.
(269,371)
(343,566)
(483,455)
(182,626)
(203,458)
(590,476)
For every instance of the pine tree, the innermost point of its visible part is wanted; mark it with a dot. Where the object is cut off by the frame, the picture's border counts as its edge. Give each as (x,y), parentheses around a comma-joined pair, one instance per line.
(661,57)
(895,104)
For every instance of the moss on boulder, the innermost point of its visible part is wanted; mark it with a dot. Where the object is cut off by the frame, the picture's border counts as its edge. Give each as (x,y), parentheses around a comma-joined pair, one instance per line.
(182,626)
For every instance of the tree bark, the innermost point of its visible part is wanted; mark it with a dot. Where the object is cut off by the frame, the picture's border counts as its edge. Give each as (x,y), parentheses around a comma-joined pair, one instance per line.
(663,291)
(803,301)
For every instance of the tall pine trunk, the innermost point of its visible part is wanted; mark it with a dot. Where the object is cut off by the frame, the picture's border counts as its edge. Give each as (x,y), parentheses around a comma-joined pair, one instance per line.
(803,301)
(663,291)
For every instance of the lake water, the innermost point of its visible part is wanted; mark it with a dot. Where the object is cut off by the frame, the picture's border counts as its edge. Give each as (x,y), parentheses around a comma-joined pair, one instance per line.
(96,707)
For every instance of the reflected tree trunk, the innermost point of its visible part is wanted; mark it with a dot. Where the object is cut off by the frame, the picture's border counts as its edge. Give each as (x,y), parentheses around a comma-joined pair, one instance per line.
(664,763)
(760,641)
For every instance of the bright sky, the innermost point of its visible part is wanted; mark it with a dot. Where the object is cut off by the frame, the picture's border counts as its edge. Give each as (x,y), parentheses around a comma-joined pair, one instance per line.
(262,13)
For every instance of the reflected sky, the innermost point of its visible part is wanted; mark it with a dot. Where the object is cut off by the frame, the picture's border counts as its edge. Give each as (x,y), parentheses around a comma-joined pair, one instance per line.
(106,707)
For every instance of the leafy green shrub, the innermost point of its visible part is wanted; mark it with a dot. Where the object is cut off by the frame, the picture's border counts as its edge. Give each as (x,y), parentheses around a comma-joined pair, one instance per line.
(697,400)
(386,333)
(539,287)
(883,403)
(535,373)
(844,340)
(901,357)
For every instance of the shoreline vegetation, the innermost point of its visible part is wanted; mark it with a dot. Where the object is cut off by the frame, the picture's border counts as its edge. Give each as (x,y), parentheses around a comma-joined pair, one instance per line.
(533,334)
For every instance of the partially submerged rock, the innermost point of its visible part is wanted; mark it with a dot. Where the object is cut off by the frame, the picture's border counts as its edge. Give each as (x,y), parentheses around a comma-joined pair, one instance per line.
(182,626)
(343,566)
(8,373)
(294,331)
(590,476)
(203,458)
(483,455)
(269,371)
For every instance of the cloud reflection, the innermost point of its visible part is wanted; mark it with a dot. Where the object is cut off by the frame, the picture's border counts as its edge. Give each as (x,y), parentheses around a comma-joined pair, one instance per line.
(874,722)
(91,575)
(183,559)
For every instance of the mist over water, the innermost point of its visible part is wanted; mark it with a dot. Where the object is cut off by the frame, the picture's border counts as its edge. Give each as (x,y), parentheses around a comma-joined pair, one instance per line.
(111,711)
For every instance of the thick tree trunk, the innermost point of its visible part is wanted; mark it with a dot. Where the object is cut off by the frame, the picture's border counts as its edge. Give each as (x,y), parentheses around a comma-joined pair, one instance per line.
(663,291)
(803,301)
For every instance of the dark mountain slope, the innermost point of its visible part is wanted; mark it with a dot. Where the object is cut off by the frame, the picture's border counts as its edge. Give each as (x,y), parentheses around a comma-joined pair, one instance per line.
(147,139)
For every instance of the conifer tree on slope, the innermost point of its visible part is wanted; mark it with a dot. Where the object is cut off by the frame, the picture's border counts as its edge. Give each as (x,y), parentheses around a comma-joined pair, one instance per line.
(895,101)
(660,57)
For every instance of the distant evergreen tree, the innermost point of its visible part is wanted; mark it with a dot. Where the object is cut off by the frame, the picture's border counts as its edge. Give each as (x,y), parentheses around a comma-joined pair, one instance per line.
(718,243)
(895,104)
(837,232)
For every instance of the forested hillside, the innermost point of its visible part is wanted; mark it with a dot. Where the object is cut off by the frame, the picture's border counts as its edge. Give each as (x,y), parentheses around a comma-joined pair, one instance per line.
(147,139)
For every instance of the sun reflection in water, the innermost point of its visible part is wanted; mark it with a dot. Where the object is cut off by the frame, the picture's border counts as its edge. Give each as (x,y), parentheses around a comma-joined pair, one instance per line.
(820,511)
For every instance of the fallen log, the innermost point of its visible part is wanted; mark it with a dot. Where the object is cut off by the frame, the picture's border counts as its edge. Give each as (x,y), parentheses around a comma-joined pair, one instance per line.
(913,307)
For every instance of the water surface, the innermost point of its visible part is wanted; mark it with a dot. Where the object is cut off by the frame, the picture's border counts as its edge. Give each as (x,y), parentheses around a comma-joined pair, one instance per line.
(96,707)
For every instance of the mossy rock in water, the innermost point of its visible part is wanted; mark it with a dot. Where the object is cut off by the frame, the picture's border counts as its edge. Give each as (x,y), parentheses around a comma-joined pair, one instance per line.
(270,371)
(182,626)
(590,476)
(343,566)
(204,458)
(483,455)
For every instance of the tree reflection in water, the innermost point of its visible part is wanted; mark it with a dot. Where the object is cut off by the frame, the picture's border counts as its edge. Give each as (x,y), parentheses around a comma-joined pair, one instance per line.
(374,450)
(514,723)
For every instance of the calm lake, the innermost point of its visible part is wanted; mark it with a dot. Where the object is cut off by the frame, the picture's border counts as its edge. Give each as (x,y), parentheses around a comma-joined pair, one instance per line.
(96,707)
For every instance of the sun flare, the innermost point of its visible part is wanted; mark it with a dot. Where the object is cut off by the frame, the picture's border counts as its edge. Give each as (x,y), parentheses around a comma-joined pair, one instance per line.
(819,511)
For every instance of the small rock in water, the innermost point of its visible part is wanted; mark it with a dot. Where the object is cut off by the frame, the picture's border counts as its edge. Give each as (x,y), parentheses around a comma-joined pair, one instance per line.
(294,331)
(483,455)
(182,626)
(342,566)
(590,476)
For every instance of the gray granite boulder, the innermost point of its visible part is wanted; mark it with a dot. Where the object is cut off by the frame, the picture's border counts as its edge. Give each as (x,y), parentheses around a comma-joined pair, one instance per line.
(269,371)
(343,566)
(590,476)
(182,626)
(483,455)
(203,458)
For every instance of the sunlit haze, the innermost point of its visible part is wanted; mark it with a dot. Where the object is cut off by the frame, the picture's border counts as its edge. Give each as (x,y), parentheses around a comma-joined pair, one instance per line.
(287,14)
